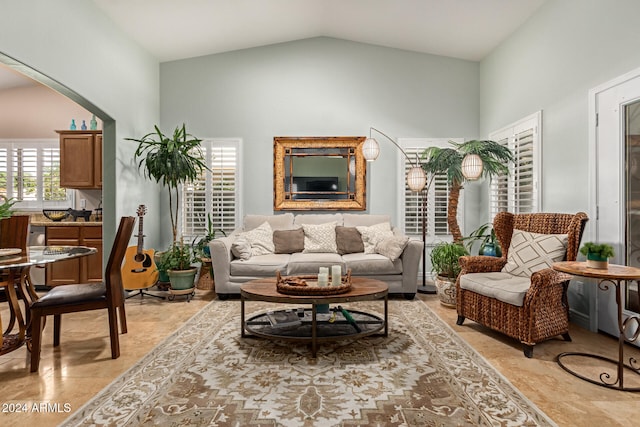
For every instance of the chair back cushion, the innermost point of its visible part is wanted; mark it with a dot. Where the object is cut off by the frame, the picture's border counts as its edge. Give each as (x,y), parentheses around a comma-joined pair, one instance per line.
(530,252)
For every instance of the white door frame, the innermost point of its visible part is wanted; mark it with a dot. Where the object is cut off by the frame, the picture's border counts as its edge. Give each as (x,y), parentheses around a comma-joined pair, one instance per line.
(605,302)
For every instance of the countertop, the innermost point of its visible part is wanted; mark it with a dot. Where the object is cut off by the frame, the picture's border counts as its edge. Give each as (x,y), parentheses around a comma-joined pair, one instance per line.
(39,220)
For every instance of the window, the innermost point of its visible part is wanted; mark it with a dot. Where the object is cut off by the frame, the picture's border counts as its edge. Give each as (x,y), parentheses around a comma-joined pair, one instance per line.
(217,193)
(30,173)
(519,191)
(410,202)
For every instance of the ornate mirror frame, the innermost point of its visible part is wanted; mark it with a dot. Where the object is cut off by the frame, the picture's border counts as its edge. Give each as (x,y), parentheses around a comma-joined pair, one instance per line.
(290,150)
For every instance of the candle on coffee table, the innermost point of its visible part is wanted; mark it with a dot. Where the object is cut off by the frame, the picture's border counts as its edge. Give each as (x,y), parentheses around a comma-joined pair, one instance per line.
(323,279)
(336,275)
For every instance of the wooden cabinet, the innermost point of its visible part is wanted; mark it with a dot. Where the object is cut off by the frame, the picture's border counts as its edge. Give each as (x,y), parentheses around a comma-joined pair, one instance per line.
(79,270)
(80,158)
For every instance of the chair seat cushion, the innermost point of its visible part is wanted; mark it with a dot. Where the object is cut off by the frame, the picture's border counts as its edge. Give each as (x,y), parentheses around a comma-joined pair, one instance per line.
(72,294)
(504,287)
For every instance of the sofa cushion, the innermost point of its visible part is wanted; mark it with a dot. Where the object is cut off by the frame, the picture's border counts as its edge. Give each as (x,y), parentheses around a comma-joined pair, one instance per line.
(310,263)
(261,265)
(288,241)
(504,287)
(320,238)
(260,238)
(531,252)
(241,248)
(317,219)
(371,264)
(367,220)
(373,234)
(392,247)
(277,222)
(348,240)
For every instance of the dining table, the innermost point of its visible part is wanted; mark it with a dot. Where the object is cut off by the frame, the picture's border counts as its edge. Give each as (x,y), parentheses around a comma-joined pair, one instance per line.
(15,265)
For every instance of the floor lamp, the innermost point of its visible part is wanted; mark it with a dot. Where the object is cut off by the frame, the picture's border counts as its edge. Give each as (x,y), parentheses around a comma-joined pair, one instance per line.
(416,181)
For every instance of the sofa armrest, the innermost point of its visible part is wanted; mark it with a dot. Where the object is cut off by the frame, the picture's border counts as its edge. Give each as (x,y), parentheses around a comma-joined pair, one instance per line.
(221,257)
(481,264)
(410,265)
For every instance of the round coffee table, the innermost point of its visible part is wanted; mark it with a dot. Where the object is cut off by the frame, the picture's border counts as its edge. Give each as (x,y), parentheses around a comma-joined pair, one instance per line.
(307,324)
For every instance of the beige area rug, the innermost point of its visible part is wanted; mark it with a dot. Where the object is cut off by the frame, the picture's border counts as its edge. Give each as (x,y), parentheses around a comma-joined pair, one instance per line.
(205,374)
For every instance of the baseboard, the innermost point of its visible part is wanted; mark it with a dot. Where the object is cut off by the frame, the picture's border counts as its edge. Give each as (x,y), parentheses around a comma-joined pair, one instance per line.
(580,319)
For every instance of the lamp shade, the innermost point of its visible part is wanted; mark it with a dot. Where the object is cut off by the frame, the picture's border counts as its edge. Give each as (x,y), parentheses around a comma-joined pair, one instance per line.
(370,149)
(472,166)
(416,178)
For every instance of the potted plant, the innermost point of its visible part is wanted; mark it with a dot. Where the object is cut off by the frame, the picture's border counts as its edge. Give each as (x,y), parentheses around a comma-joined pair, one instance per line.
(177,262)
(486,236)
(444,263)
(597,254)
(202,245)
(6,207)
(171,161)
(495,160)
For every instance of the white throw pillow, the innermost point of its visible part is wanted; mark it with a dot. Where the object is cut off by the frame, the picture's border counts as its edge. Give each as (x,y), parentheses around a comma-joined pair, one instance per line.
(392,247)
(531,252)
(374,234)
(320,238)
(260,239)
(241,248)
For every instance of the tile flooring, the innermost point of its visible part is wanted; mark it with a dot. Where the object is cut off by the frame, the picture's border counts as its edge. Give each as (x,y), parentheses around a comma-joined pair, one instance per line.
(82,366)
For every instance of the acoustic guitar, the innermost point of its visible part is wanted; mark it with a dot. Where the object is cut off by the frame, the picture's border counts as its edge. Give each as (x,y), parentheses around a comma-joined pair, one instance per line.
(139,270)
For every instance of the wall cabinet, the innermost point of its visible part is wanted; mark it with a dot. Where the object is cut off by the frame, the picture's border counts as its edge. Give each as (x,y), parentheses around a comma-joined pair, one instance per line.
(80,158)
(79,270)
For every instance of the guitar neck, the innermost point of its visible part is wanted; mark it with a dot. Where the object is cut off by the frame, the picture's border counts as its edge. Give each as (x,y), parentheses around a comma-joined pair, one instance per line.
(140,235)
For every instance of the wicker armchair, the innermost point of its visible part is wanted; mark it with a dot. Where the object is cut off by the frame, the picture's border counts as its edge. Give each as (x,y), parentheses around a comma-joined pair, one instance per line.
(544,312)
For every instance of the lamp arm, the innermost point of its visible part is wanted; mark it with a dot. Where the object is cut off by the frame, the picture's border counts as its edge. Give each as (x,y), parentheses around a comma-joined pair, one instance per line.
(394,143)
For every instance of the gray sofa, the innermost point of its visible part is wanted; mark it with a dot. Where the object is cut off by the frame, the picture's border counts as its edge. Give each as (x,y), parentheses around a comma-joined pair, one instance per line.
(230,271)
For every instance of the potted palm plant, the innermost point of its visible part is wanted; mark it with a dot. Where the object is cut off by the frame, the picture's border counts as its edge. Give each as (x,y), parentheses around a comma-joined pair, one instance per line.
(495,159)
(486,236)
(445,264)
(171,161)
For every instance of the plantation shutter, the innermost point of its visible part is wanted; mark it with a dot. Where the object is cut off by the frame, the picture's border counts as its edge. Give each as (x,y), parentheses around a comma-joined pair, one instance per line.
(215,194)
(411,209)
(30,173)
(519,191)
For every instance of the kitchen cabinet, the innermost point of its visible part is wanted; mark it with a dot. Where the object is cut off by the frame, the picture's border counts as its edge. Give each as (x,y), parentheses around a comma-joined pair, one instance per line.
(80,270)
(80,158)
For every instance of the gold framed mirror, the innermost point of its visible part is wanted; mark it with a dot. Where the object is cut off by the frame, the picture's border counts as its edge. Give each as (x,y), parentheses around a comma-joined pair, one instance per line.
(319,173)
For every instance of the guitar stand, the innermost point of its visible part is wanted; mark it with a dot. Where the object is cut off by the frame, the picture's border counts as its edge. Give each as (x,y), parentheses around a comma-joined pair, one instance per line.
(142,293)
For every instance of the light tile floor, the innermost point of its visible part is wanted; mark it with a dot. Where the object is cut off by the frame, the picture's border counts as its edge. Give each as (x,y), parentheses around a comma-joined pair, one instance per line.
(82,366)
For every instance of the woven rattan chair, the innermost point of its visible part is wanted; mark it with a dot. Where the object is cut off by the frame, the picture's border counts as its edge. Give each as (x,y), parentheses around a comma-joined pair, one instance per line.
(544,312)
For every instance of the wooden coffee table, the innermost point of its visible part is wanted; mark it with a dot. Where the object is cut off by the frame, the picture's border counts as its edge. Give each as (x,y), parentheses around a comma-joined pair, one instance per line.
(315,327)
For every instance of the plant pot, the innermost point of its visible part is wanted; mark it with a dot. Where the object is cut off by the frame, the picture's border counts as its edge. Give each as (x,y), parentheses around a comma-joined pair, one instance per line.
(182,279)
(596,261)
(446,288)
(163,277)
(490,249)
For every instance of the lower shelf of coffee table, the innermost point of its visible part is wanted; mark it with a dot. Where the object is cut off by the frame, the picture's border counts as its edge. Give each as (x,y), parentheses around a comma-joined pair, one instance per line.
(325,330)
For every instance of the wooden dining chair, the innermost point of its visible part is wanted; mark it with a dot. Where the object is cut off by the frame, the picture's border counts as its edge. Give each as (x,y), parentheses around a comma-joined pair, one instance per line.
(14,233)
(83,297)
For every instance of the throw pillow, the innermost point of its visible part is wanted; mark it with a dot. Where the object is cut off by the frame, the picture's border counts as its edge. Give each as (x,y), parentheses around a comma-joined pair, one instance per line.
(241,248)
(531,252)
(373,234)
(320,238)
(348,240)
(261,239)
(392,247)
(288,241)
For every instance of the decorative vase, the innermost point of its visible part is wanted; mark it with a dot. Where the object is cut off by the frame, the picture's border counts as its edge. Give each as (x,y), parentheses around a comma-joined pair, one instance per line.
(182,279)
(93,123)
(446,288)
(596,261)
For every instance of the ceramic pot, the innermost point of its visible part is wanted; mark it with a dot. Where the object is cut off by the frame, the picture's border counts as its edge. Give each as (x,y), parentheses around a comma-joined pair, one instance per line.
(182,279)
(596,261)
(446,291)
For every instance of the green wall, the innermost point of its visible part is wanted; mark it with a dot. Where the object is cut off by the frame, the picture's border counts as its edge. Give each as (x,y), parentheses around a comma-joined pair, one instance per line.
(320,87)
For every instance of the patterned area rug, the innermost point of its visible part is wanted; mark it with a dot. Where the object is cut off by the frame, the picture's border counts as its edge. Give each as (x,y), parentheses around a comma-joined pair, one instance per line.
(205,374)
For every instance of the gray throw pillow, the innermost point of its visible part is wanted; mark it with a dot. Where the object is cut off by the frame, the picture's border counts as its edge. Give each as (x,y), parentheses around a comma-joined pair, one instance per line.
(288,241)
(392,247)
(349,240)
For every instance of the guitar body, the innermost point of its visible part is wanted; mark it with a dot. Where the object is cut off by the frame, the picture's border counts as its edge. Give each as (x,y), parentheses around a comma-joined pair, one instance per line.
(139,274)
(139,270)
